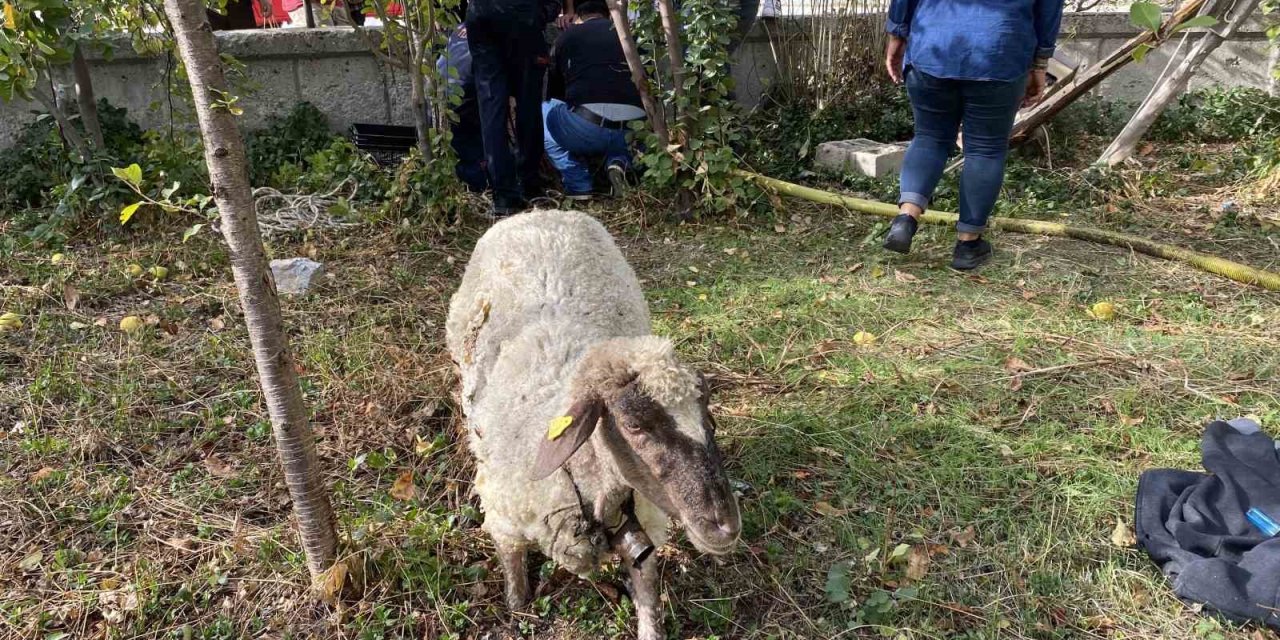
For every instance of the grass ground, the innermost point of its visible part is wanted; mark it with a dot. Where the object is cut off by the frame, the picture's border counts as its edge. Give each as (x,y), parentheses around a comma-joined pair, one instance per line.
(964,468)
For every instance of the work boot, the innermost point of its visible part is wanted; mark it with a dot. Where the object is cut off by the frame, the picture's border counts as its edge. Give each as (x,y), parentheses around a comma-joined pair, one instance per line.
(901,231)
(617,179)
(969,254)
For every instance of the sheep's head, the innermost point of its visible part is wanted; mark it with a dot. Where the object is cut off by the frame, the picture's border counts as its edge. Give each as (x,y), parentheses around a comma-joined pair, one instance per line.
(655,424)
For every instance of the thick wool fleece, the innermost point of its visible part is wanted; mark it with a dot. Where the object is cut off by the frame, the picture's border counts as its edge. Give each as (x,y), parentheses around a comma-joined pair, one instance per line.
(543,294)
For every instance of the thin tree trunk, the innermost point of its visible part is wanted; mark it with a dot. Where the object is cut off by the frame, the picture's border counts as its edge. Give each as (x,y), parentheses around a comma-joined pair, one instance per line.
(1084,82)
(675,57)
(1172,85)
(87,102)
(618,11)
(68,131)
(419,104)
(225,157)
(311,15)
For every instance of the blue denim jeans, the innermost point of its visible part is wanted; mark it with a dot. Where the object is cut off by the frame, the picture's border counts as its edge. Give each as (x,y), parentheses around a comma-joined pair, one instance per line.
(569,139)
(986,108)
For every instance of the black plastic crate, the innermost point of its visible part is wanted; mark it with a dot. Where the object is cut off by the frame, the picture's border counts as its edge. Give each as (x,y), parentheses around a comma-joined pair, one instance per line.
(383,137)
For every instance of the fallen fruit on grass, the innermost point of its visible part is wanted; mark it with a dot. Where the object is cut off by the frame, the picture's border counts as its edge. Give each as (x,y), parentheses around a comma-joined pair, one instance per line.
(862,338)
(10,321)
(1102,311)
(130,324)
(134,270)
(57,258)
(1122,536)
(402,488)
(158,272)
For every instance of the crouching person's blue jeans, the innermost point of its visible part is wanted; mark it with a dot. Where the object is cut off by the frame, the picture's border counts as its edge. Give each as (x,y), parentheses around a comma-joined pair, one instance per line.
(987,109)
(570,139)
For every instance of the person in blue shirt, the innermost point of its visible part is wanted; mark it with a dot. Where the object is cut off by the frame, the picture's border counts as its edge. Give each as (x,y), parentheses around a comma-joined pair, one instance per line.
(467,141)
(969,63)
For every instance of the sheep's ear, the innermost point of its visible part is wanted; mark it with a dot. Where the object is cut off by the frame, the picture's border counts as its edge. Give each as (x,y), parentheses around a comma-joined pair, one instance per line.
(565,435)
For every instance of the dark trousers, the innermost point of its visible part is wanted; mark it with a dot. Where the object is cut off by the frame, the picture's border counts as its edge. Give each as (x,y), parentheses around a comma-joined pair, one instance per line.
(508,58)
(468,142)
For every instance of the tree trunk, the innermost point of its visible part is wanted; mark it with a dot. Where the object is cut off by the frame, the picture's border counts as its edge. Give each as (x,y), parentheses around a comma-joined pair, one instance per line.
(87,102)
(618,11)
(421,124)
(1084,82)
(675,57)
(311,14)
(1172,85)
(225,157)
(70,136)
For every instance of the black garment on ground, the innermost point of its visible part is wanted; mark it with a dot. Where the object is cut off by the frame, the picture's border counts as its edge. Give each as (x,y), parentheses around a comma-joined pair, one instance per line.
(587,66)
(1193,524)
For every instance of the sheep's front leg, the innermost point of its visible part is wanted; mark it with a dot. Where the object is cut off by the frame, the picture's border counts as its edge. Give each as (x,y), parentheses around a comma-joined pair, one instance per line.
(644,593)
(516,575)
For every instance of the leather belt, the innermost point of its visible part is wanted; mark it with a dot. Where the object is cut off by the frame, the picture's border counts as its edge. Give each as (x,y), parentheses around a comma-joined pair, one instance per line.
(599,120)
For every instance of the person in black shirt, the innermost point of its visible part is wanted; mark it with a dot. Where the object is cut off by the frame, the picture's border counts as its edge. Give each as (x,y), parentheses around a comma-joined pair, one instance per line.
(592,102)
(508,60)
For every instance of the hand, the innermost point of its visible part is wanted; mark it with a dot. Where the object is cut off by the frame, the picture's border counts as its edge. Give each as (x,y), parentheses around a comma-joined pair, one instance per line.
(894,52)
(1035,88)
(565,20)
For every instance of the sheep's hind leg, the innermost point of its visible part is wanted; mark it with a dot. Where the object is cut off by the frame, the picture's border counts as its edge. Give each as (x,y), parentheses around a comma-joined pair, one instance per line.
(516,574)
(644,593)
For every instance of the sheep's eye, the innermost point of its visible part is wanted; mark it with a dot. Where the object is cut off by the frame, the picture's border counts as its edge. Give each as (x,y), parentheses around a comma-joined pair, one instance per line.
(634,426)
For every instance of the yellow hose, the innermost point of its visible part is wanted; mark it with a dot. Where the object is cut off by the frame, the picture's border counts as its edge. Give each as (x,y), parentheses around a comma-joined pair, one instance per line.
(1213,264)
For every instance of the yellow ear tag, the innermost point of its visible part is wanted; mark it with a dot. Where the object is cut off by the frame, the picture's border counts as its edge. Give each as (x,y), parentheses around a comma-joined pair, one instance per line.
(557,426)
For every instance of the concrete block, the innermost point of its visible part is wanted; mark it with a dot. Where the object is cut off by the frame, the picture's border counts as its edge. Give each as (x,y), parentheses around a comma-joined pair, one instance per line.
(868,157)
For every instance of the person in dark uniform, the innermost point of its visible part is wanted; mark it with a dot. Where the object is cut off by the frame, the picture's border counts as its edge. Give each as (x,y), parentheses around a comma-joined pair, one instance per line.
(593,100)
(508,60)
(467,140)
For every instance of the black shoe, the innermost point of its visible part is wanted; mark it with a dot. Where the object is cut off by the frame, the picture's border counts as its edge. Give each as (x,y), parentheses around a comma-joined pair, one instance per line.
(901,231)
(503,208)
(617,179)
(969,254)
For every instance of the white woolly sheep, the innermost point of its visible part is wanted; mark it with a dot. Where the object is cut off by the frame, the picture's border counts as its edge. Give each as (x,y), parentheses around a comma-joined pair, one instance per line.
(550,331)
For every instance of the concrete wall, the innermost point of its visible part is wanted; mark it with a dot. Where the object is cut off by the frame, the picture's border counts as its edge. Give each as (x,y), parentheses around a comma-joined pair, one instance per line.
(333,69)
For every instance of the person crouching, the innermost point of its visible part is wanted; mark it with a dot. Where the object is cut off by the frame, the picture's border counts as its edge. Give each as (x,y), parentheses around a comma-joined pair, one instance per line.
(592,103)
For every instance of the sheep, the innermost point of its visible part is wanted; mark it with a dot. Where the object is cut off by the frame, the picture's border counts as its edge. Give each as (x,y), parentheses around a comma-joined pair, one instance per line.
(588,433)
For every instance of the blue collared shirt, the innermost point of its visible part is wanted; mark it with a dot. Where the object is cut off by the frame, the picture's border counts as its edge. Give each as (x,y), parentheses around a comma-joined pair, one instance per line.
(976,39)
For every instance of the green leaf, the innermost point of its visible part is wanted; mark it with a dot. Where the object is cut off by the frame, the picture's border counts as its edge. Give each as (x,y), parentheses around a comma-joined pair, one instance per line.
(1196,23)
(1140,52)
(899,552)
(1145,16)
(838,583)
(131,174)
(191,231)
(128,212)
